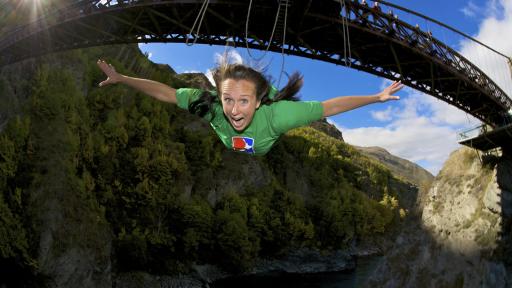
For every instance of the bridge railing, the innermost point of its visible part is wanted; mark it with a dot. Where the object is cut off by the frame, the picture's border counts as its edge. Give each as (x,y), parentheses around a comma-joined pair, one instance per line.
(482,57)
(484,128)
(384,19)
(472,133)
(426,37)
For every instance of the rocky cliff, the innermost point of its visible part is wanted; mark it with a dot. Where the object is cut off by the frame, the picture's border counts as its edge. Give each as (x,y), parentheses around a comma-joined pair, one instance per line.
(460,236)
(403,168)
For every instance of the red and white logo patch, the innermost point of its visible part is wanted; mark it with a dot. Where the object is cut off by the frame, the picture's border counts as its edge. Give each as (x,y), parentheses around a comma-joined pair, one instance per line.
(243,144)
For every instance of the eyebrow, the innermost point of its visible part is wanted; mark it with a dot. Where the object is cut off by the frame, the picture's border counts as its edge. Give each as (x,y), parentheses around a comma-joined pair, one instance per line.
(243,95)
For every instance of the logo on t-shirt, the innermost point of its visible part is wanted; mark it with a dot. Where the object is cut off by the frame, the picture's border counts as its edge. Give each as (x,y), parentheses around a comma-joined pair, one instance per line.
(243,144)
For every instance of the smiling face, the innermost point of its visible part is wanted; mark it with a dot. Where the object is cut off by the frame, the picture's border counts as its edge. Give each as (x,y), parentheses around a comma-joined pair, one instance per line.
(239,102)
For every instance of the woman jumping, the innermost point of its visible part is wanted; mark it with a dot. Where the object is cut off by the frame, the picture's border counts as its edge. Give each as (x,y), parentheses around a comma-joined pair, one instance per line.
(246,112)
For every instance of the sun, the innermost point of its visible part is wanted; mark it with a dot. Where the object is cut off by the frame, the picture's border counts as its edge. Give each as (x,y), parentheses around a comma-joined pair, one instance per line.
(35,7)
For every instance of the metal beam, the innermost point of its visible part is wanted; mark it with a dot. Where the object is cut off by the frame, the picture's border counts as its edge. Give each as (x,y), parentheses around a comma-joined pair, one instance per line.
(313,33)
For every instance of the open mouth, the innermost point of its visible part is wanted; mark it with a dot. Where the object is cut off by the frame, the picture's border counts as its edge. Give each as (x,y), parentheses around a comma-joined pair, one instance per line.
(237,122)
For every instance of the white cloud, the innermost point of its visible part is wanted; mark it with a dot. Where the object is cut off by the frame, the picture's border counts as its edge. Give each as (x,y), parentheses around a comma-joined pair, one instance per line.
(494,8)
(495,31)
(417,103)
(423,129)
(417,140)
(383,115)
(230,56)
(439,112)
(209,75)
(470,10)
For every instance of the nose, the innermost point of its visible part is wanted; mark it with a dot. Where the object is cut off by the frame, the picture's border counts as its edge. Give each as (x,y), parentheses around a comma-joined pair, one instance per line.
(234,110)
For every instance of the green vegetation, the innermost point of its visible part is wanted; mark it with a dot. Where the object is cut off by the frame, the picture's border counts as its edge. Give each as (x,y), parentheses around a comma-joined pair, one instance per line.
(459,281)
(114,162)
(15,150)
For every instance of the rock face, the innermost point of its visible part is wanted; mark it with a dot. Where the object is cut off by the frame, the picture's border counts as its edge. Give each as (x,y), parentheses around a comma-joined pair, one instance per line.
(198,80)
(301,261)
(461,235)
(307,261)
(407,170)
(327,128)
(141,279)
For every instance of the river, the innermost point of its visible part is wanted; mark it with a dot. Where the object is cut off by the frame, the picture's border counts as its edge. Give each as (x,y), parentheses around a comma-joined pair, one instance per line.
(353,278)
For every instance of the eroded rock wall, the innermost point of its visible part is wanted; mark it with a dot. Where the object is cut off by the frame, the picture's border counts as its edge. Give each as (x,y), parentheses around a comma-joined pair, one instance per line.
(460,237)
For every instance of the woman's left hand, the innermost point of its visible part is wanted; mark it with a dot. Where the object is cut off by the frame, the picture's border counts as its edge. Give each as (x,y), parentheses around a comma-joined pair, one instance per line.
(387,94)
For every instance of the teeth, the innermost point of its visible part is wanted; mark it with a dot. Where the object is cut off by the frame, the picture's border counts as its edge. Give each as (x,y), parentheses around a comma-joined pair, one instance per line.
(237,122)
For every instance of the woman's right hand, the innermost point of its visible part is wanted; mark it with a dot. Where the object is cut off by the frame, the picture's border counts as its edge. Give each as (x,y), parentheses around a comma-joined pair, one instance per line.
(109,70)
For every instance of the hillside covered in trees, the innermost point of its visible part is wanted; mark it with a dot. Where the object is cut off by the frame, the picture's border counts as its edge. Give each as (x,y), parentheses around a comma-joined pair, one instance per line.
(95,182)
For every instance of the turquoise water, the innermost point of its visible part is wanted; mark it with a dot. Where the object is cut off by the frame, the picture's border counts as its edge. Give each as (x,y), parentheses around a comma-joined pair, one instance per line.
(353,278)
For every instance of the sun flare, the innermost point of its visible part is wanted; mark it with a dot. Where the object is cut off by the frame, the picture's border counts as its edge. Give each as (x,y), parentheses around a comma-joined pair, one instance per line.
(33,8)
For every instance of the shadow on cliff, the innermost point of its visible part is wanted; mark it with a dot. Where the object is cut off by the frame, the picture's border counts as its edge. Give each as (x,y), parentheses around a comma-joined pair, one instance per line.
(437,251)
(504,175)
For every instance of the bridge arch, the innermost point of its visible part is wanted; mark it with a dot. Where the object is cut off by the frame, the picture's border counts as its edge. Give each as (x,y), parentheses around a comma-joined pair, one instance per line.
(380,43)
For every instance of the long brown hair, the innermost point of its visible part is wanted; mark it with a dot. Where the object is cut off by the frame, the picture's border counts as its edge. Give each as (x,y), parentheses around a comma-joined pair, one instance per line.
(203,105)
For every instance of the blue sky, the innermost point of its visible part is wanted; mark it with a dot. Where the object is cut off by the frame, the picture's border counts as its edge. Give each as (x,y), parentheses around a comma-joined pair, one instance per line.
(418,127)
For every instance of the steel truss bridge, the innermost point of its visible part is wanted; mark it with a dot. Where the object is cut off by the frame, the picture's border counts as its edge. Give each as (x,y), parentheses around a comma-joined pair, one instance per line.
(379,42)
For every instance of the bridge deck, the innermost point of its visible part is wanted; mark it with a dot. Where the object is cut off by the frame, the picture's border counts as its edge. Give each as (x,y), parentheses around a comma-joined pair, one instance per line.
(380,43)
(499,137)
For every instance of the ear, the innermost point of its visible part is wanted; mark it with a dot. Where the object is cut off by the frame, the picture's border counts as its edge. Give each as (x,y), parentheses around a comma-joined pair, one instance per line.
(258,103)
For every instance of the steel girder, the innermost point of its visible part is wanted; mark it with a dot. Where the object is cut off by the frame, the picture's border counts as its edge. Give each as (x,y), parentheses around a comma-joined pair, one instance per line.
(380,43)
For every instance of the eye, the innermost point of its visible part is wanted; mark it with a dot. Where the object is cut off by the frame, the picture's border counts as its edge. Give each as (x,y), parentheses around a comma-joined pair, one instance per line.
(228,100)
(244,101)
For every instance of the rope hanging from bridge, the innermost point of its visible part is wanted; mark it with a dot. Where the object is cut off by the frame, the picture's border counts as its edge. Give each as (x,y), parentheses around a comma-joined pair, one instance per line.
(284,40)
(447,74)
(346,34)
(286,4)
(201,14)
(271,35)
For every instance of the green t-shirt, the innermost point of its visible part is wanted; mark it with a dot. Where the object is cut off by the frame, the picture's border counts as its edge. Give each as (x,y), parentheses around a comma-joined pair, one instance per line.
(268,123)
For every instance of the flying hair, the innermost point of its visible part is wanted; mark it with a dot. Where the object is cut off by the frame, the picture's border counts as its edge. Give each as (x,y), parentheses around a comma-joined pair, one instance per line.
(230,67)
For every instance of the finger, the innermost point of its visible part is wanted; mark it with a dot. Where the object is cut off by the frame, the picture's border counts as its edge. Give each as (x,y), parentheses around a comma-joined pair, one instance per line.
(103,66)
(398,86)
(392,98)
(103,83)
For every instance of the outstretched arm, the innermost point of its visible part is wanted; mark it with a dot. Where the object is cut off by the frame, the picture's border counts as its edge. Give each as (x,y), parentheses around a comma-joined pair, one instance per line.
(345,103)
(152,88)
